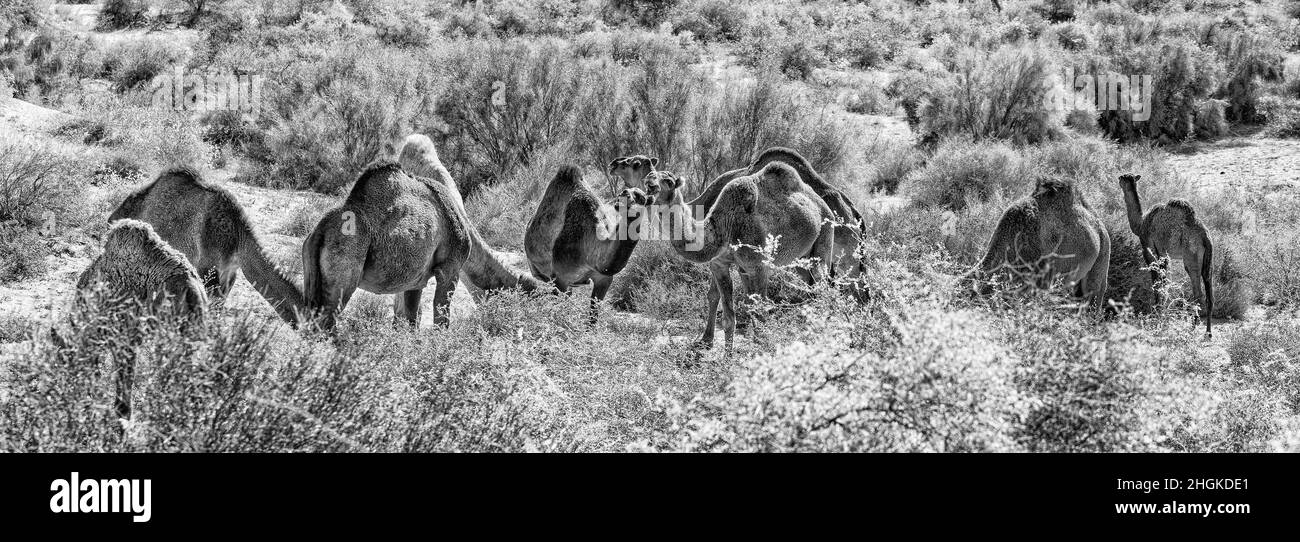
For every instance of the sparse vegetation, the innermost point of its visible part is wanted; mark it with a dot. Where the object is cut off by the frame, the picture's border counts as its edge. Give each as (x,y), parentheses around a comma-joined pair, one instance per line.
(510,91)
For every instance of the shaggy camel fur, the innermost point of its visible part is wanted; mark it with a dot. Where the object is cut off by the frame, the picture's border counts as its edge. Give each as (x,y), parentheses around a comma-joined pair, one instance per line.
(485,270)
(1055,234)
(206,224)
(138,266)
(593,248)
(1172,231)
(773,202)
(391,235)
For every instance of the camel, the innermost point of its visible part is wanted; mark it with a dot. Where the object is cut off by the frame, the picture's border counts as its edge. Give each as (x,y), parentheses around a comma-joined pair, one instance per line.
(548,219)
(1172,231)
(206,224)
(137,265)
(749,209)
(1054,232)
(485,271)
(850,228)
(391,235)
(589,248)
(632,170)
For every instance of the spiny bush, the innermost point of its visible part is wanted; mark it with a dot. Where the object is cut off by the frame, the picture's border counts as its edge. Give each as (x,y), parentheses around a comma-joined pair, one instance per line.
(921,380)
(961,171)
(22,253)
(1182,74)
(1267,354)
(119,14)
(131,64)
(712,20)
(236,384)
(506,102)
(1003,96)
(351,93)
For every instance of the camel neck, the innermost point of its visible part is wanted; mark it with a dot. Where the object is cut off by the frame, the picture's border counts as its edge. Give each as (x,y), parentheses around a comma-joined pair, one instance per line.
(1133,206)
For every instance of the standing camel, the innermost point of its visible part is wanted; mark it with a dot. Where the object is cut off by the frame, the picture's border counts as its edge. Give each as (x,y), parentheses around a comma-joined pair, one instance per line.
(1054,232)
(391,235)
(749,209)
(1170,231)
(593,248)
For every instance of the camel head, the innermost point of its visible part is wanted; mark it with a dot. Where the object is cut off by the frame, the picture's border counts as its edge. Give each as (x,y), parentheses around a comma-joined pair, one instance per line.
(661,185)
(1051,187)
(633,170)
(1129,179)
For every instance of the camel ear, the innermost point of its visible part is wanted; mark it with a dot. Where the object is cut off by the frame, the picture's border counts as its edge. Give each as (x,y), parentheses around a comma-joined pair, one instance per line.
(654,162)
(1137,178)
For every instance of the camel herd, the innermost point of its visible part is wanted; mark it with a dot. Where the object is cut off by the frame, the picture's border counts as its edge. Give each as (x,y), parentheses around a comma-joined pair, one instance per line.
(404,223)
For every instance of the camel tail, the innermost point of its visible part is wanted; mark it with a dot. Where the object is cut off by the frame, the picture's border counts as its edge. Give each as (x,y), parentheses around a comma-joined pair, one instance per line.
(1207,278)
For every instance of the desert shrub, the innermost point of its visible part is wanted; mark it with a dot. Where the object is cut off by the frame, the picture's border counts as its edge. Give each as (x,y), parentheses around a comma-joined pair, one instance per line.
(1208,118)
(642,12)
(1234,294)
(304,218)
(1249,61)
(506,102)
(775,49)
(40,184)
(712,20)
(659,283)
(351,92)
(891,162)
(238,385)
(961,171)
(1282,116)
(119,14)
(22,253)
(1182,72)
(137,138)
(1276,266)
(1003,96)
(1096,390)
(14,328)
(736,121)
(130,64)
(924,380)
(1056,11)
(1267,354)
(662,94)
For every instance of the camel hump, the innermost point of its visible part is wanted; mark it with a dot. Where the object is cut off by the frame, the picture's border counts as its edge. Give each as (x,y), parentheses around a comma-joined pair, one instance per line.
(419,157)
(568,175)
(780,177)
(797,161)
(1183,206)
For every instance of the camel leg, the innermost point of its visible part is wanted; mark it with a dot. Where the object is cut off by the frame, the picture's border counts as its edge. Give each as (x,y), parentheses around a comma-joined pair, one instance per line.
(722,278)
(407,305)
(446,277)
(599,287)
(1201,288)
(1098,277)
(710,312)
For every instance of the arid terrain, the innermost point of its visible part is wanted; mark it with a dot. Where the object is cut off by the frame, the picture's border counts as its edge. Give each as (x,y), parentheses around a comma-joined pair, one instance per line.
(932,118)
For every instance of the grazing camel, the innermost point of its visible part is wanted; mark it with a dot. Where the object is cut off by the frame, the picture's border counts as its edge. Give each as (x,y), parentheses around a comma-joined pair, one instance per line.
(392,234)
(750,209)
(485,270)
(593,248)
(206,224)
(1054,232)
(1172,231)
(139,266)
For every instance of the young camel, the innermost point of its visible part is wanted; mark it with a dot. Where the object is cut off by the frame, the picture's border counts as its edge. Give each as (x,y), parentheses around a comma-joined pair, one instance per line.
(1056,234)
(593,248)
(773,202)
(138,265)
(391,235)
(206,224)
(1172,231)
(485,271)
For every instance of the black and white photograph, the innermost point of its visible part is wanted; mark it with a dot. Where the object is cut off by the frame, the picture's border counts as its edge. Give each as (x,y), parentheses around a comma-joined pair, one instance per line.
(1053,233)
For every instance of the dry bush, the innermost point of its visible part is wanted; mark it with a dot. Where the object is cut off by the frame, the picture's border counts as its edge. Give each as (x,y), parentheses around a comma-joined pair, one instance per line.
(1003,96)
(119,14)
(961,171)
